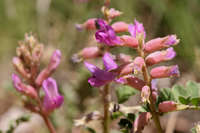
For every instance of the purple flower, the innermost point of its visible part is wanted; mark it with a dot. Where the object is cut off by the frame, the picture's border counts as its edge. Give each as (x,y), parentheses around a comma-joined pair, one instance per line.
(55,60)
(172,40)
(101,77)
(106,34)
(52,98)
(136,29)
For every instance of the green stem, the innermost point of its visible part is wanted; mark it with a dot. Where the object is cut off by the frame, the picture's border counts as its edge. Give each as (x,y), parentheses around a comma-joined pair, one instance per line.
(106,100)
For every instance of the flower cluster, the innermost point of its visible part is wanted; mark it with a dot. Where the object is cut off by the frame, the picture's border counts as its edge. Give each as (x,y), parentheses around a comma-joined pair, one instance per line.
(29,79)
(123,69)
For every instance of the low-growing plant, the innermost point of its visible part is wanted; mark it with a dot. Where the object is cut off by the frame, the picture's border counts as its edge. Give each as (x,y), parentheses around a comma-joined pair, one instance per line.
(131,74)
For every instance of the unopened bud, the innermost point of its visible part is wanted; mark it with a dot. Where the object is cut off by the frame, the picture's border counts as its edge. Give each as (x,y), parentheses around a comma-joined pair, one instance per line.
(165,71)
(18,64)
(129,41)
(159,43)
(90,52)
(126,69)
(120,27)
(112,13)
(160,56)
(167,106)
(37,52)
(21,87)
(89,25)
(133,82)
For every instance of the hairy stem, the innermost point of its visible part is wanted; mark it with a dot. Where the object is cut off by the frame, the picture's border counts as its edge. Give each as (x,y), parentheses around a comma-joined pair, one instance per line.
(148,79)
(106,99)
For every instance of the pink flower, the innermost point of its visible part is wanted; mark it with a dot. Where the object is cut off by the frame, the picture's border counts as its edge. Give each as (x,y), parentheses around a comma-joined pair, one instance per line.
(53,64)
(159,43)
(52,98)
(137,29)
(167,106)
(160,56)
(112,13)
(21,87)
(90,52)
(165,71)
(120,26)
(129,41)
(89,24)
(123,58)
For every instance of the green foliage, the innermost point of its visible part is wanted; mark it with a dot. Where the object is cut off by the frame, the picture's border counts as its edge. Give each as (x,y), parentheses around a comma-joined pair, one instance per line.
(90,130)
(190,94)
(124,92)
(17,122)
(193,130)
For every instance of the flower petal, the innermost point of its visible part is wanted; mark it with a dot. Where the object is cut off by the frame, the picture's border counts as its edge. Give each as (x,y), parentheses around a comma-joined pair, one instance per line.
(108,62)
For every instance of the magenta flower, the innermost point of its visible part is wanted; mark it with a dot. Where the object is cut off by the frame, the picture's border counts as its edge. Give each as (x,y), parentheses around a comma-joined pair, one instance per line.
(101,77)
(165,71)
(106,34)
(21,87)
(137,29)
(52,98)
(160,56)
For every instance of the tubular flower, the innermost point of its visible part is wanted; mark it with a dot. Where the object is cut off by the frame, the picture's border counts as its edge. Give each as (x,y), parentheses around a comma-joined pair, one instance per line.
(89,25)
(120,26)
(21,87)
(160,56)
(137,29)
(165,71)
(53,64)
(123,58)
(52,98)
(167,106)
(113,13)
(101,77)
(159,43)
(106,34)
(129,41)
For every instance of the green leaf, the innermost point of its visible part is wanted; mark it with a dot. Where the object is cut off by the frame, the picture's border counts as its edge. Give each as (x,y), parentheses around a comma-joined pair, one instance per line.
(193,130)
(131,117)
(193,89)
(116,115)
(178,90)
(195,101)
(165,94)
(124,92)
(184,100)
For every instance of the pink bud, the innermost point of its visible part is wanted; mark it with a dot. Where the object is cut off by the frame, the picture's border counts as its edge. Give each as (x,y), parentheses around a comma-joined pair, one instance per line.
(55,60)
(141,121)
(145,93)
(167,106)
(159,43)
(123,58)
(21,87)
(90,52)
(53,64)
(18,64)
(165,71)
(120,27)
(89,24)
(138,64)
(37,52)
(112,13)
(129,41)
(160,56)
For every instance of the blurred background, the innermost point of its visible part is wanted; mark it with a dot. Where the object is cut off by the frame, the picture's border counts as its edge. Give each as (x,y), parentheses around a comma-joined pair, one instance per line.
(53,23)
